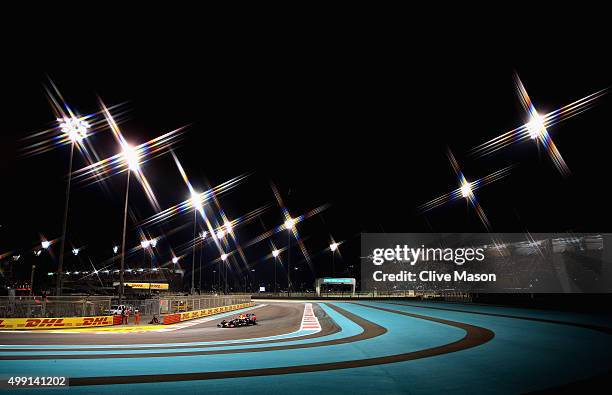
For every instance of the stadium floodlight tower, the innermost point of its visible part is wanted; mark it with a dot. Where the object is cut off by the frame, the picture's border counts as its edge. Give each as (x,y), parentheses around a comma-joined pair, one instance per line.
(174,262)
(333,247)
(132,159)
(196,204)
(148,245)
(275,254)
(289,224)
(224,259)
(203,235)
(76,130)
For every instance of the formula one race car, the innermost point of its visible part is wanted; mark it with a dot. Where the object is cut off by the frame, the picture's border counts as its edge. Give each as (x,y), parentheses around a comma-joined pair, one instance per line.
(241,320)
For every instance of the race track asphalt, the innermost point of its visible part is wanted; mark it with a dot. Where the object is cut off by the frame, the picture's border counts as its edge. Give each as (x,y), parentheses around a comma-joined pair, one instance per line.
(274,319)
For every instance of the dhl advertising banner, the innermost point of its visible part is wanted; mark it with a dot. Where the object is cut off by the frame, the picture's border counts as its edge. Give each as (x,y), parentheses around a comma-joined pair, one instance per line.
(55,323)
(190,315)
(163,286)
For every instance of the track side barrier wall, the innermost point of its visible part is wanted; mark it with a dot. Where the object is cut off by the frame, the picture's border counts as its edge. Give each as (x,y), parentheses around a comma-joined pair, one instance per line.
(107,320)
(55,323)
(190,315)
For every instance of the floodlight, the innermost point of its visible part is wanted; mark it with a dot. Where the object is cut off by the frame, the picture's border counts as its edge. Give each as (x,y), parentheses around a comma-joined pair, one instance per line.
(290,223)
(466,189)
(333,246)
(74,128)
(196,200)
(275,253)
(224,257)
(131,157)
(220,234)
(45,244)
(536,126)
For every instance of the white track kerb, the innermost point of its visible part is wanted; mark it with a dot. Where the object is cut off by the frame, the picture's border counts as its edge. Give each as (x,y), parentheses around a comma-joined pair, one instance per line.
(309,320)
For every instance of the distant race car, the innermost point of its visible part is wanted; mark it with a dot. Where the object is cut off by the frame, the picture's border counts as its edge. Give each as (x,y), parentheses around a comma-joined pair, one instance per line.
(241,320)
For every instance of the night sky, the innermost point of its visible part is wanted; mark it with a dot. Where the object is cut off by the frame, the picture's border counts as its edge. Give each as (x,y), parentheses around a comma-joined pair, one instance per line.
(369,138)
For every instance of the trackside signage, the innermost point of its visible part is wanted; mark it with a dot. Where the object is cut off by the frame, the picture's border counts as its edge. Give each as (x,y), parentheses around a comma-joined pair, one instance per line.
(487,262)
(190,315)
(55,323)
(338,281)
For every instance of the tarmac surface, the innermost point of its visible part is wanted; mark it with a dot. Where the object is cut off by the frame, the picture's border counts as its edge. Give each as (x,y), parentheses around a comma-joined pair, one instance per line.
(391,347)
(273,319)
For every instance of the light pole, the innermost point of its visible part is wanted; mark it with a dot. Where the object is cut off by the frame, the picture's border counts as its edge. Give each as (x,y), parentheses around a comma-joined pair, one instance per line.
(45,244)
(200,273)
(224,258)
(333,247)
(220,234)
(130,156)
(174,262)
(145,244)
(275,254)
(153,244)
(76,130)
(203,235)
(197,205)
(289,224)
(32,280)
(193,251)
